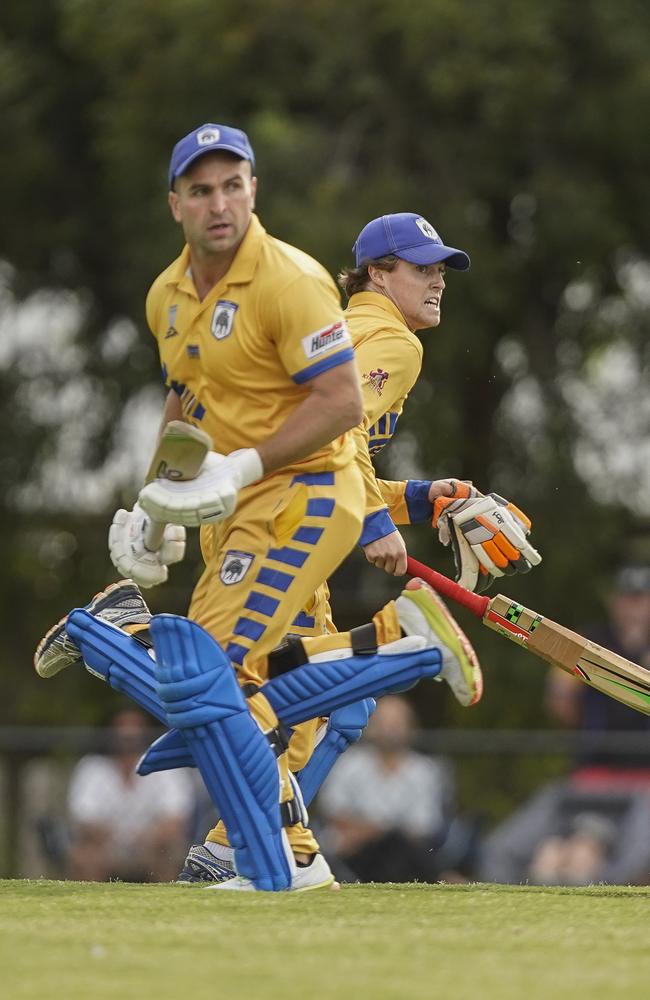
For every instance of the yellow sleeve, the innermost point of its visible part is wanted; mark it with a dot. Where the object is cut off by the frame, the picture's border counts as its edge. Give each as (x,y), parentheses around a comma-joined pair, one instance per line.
(308,327)
(407,501)
(389,368)
(377,522)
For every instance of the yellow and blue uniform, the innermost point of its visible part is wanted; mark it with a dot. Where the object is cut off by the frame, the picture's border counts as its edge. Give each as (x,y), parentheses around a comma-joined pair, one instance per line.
(389,358)
(240,362)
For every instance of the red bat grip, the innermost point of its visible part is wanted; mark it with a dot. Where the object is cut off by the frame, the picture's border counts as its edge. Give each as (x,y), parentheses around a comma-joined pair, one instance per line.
(443,585)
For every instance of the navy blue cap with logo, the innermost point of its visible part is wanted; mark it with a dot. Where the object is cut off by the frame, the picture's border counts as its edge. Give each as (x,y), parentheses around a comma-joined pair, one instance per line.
(409,237)
(206,139)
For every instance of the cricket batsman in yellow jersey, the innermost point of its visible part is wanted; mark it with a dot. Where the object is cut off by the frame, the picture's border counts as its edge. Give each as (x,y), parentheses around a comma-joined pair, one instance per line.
(254,348)
(395,289)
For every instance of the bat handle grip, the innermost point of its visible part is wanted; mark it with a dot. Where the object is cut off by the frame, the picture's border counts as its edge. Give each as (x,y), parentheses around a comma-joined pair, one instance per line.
(153,535)
(443,585)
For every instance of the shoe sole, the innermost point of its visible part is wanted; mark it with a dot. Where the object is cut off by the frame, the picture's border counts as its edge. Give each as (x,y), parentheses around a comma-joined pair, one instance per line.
(452,634)
(98,603)
(330,883)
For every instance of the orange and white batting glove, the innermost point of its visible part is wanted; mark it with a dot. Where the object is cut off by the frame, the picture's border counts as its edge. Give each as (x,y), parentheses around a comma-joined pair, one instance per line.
(488,536)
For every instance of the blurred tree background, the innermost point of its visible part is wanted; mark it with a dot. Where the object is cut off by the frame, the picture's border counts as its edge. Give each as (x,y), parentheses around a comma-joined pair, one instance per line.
(519,129)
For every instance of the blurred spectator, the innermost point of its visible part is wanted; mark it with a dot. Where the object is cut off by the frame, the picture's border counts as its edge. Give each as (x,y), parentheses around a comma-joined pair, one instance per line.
(122,825)
(386,807)
(595,825)
(626,630)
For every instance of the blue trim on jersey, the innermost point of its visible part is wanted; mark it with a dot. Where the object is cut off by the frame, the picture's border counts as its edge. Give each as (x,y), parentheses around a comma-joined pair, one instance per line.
(376,525)
(262,604)
(303,620)
(292,557)
(235,652)
(417,500)
(314,479)
(199,412)
(308,535)
(324,365)
(274,578)
(320,508)
(249,629)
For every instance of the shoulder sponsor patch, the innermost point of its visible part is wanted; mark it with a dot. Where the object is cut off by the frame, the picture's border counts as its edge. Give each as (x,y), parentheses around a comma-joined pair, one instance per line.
(324,340)
(223,318)
(235,566)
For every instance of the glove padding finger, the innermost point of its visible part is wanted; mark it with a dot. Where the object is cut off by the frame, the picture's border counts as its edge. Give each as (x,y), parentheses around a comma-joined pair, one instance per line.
(129,554)
(443,507)
(495,532)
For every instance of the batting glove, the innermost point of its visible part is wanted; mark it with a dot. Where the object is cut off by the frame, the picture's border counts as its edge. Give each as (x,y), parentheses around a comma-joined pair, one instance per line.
(131,557)
(211,497)
(487,534)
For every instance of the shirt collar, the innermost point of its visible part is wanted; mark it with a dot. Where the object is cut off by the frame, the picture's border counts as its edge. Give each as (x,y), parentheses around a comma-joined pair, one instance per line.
(378,301)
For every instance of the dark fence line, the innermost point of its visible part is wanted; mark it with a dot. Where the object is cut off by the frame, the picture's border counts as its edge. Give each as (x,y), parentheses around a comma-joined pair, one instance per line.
(29,740)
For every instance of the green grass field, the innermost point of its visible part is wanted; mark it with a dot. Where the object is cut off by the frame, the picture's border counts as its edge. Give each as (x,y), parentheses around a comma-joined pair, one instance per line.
(82,941)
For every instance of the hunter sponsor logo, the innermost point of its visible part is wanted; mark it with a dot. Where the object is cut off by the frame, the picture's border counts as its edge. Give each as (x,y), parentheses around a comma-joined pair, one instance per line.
(324,340)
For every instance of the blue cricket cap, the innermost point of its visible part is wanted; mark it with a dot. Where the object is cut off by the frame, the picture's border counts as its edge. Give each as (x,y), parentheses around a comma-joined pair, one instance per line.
(408,236)
(206,139)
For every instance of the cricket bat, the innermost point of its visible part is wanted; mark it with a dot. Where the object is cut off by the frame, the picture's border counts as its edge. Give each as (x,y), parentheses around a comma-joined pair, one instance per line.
(593,664)
(179,456)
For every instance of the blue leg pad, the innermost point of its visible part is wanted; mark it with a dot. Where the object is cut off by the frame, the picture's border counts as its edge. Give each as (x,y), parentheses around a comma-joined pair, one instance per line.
(117,658)
(321,688)
(167,752)
(198,687)
(344,727)
(317,689)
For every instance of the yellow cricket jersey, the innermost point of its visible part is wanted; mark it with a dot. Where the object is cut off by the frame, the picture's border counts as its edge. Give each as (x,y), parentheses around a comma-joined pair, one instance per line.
(389,357)
(241,359)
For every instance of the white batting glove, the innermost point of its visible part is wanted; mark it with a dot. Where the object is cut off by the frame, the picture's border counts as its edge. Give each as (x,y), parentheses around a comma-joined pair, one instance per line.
(493,532)
(211,497)
(130,556)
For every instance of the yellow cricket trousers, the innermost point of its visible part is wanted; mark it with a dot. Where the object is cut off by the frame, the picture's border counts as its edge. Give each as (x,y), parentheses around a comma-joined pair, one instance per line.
(263,566)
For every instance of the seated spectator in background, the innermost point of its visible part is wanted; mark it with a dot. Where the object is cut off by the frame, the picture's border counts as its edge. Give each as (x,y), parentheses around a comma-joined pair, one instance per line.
(568,835)
(626,631)
(386,807)
(123,826)
(593,826)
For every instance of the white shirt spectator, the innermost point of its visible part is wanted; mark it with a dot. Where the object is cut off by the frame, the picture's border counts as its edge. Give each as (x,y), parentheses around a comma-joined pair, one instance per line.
(99,794)
(410,797)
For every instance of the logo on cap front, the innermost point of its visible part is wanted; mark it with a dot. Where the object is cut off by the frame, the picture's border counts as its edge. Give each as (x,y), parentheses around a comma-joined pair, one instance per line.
(206,136)
(428,230)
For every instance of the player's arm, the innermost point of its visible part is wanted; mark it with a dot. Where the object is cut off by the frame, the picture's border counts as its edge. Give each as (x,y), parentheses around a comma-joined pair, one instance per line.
(305,324)
(332,407)
(382,544)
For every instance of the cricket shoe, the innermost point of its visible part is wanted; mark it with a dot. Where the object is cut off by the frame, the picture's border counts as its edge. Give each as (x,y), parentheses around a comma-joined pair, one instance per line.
(121,604)
(422,612)
(201,867)
(316,875)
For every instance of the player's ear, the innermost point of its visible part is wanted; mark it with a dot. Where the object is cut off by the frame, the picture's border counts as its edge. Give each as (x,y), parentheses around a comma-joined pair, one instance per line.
(376,275)
(172,199)
(253,191)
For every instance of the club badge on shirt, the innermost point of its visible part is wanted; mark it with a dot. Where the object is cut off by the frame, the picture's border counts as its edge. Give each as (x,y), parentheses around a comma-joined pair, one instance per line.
(235,566)
(223,318)
(377,378)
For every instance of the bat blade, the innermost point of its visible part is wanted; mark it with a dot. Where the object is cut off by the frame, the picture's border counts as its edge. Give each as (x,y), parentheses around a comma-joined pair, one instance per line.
(590,663)
(180,452)
(179,456)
